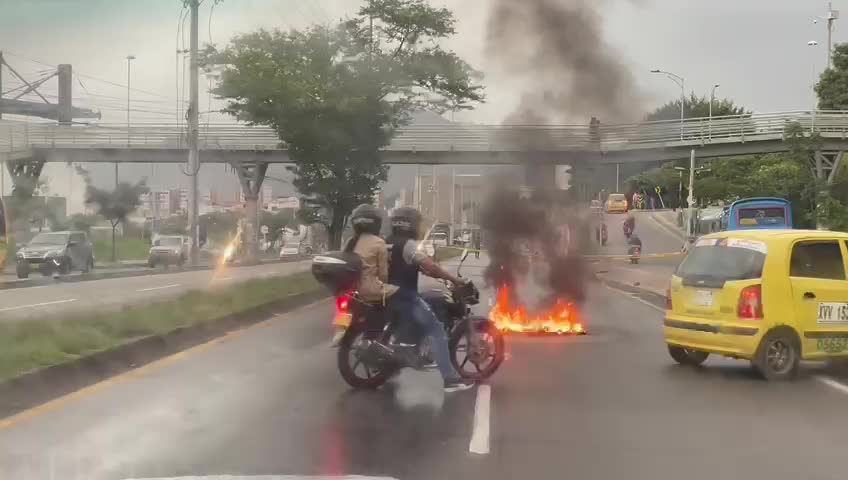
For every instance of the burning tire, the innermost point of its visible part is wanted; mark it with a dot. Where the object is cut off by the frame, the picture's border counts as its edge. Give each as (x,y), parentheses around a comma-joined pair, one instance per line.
(477,358)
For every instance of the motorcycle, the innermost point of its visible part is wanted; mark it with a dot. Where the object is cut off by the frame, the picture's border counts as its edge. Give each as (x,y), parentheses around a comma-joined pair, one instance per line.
(375,346)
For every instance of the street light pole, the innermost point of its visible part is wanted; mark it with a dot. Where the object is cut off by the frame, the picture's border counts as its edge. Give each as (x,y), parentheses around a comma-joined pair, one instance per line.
(193,120)
(712,99)
(813,43)
(130,58)
(682,83)
(691,199)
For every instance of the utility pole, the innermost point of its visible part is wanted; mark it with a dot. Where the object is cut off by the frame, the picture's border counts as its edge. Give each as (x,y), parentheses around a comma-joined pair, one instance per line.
(193,126)
(832,15)
(691,198)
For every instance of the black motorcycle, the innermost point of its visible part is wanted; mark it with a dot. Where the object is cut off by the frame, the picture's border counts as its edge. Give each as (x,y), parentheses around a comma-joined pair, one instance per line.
(375,346)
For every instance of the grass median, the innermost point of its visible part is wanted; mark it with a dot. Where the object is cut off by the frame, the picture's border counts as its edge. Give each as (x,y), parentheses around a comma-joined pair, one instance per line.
(28,345)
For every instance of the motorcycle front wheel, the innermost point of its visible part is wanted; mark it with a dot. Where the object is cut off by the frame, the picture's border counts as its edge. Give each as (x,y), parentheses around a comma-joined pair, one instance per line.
(479,353)
(356,372)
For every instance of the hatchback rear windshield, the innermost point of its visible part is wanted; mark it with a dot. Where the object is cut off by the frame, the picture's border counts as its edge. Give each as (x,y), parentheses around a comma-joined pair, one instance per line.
(616,197)
(711,265)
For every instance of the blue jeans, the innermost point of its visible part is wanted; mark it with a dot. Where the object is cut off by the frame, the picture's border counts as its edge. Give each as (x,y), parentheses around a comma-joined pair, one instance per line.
(410,304)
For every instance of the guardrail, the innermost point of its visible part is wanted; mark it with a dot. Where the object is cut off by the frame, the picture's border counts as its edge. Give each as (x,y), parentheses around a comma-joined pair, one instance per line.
(443,137)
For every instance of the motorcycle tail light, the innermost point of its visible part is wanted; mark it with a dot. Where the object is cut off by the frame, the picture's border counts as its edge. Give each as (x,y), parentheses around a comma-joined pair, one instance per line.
(343,303)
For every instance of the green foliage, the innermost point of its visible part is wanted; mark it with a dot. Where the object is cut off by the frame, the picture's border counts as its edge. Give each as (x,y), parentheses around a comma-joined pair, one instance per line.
(174,225)
(115,205)
(37,343)
(276,221)
(336,94)
(832,88)
(82,222)
(695,107)
(126,248)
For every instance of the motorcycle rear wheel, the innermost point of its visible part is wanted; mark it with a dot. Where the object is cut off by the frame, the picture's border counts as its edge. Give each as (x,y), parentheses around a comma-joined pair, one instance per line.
(485,361)
(353,370)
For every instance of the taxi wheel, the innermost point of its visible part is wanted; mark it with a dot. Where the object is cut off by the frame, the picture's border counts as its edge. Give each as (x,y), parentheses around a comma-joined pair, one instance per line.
(778,355)
(685,356)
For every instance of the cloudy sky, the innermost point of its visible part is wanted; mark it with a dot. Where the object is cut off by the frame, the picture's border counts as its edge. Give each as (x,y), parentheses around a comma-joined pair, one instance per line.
(756,49)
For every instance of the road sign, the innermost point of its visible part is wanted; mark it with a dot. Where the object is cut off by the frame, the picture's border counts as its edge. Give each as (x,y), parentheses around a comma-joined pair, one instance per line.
(658,190)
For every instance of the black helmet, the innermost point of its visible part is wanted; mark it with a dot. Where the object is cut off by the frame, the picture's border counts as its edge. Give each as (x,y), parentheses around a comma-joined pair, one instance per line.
(406,221)
(366,219)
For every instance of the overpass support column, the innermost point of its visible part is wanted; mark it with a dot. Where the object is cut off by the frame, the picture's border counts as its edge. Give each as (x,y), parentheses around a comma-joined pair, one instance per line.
(826,166)
(251,175)
(24,174)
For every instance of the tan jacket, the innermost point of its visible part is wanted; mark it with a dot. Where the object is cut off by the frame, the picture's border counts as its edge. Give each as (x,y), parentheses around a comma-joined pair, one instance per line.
(375,269)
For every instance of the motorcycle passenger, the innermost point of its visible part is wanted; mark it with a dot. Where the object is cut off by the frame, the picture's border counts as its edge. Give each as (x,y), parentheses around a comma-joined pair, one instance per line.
(629,224)
(406,260)
(366,221)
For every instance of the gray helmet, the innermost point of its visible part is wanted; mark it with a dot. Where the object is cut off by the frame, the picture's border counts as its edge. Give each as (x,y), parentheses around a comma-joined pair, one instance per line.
(406,220)
(366,219)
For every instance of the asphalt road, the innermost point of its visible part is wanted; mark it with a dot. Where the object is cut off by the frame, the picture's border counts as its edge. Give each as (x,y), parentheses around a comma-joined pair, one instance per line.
(97,295)
(610,405)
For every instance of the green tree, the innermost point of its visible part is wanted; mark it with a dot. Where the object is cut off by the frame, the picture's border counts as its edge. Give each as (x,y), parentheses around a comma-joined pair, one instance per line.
(336,94)
(115,205)
(832,88)
(695,107)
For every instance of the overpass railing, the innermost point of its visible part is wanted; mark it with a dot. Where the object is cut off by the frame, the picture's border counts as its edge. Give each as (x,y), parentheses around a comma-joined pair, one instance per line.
(441,137)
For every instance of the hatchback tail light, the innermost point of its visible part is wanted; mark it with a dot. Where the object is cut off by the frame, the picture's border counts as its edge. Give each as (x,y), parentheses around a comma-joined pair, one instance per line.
(343,303)
(668,298)
(750,302)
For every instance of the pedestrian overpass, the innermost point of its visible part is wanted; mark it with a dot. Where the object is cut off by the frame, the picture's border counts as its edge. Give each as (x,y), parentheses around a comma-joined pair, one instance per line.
(450,144)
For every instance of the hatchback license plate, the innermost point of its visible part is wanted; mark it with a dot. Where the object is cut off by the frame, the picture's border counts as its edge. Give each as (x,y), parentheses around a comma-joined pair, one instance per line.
(832,344)
(703,298)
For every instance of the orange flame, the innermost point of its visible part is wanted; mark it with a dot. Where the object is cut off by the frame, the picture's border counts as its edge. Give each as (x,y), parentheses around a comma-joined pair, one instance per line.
(560,319)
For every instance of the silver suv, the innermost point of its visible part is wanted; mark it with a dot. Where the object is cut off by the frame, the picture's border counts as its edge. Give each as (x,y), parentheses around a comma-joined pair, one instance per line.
(55,252)
(168,250)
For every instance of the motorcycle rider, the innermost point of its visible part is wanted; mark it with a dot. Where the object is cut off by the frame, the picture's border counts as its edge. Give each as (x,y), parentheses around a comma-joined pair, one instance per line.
(629,224)
(406,260)
(366,242)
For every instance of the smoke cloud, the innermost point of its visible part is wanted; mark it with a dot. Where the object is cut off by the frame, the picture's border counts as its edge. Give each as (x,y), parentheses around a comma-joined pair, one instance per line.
(523,229)
(556,51)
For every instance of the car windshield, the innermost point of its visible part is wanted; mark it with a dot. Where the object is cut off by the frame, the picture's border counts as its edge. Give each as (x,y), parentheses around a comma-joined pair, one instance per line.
(170,241)
(721,263)
(50,239)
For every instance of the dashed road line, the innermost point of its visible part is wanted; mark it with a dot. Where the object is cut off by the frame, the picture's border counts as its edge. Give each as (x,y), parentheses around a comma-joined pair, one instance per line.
(33,305)
(480,435)
(635,297)
(833,383)
(150,289)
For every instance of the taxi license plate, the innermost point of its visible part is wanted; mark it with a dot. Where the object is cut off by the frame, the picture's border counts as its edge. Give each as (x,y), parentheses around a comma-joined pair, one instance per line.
(703,298)
(343,320)
(832,344)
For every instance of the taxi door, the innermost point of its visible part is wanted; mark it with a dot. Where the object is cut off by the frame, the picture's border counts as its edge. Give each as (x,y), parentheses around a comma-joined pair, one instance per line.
(820,296)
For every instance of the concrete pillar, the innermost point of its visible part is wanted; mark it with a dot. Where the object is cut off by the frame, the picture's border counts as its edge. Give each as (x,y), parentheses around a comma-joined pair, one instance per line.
(251,175)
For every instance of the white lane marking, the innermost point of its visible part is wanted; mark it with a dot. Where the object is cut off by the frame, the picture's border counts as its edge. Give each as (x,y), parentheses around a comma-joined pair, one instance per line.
(630,295)
(157,288)
(480,435)
(221,279)
(33,305)
(832,383)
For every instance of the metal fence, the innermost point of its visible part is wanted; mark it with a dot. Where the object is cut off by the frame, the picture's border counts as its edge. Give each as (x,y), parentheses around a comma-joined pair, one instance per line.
(442,137)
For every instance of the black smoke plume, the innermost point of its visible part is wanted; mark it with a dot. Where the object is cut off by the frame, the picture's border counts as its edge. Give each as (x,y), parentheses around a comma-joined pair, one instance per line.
(556,51)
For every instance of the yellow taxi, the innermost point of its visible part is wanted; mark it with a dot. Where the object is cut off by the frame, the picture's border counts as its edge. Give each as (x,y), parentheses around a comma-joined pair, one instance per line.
(616,202)
(773,297)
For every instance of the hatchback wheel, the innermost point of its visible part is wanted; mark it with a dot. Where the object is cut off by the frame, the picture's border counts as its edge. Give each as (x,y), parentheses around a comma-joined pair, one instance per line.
(686,356)
(778,356)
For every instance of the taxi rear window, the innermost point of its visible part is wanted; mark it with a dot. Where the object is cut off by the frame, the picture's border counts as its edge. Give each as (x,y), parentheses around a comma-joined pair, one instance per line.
(712,265)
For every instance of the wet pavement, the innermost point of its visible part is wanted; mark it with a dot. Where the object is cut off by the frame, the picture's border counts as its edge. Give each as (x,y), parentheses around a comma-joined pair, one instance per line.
(268,401)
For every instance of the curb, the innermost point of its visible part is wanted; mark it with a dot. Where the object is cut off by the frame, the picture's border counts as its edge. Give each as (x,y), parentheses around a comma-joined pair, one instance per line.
(40,386)
(649,296)
(668,227)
